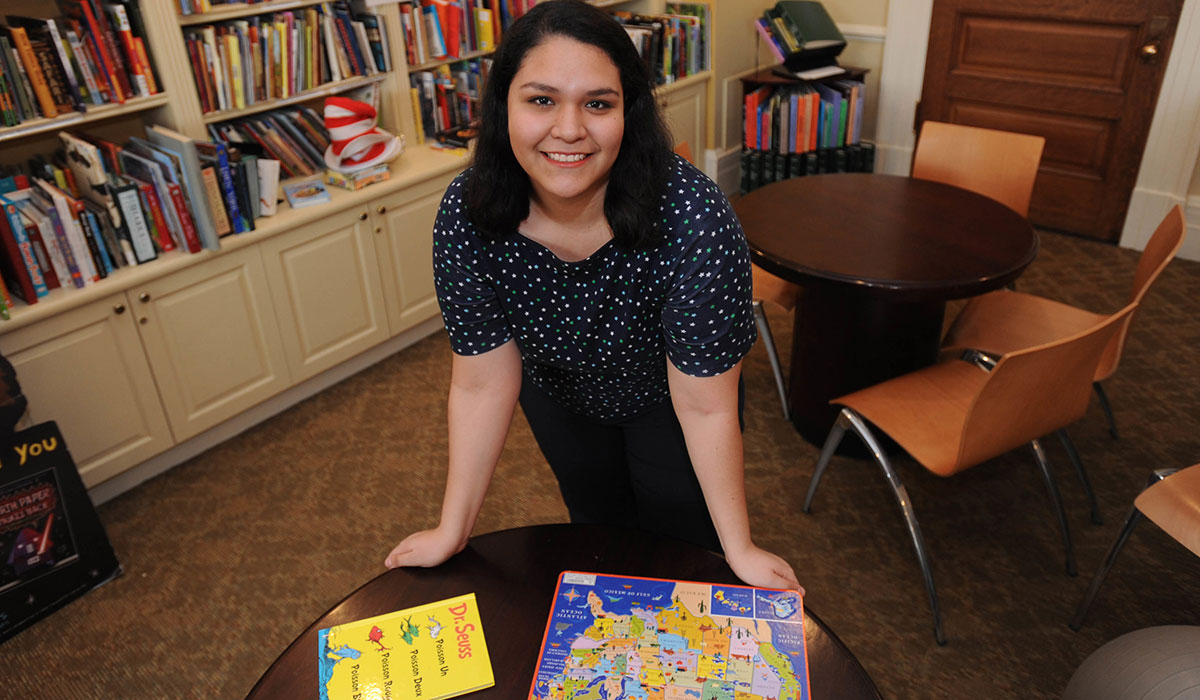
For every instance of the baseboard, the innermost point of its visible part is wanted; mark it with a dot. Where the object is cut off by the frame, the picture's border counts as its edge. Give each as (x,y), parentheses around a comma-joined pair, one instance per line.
(218,434)
(1146,210)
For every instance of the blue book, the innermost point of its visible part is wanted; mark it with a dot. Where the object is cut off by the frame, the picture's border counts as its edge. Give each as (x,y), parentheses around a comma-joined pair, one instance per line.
(101,246)
(216,154)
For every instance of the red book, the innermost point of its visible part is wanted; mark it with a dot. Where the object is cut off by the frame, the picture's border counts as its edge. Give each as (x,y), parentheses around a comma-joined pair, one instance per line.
(15,259)
(190,237)
(42,255)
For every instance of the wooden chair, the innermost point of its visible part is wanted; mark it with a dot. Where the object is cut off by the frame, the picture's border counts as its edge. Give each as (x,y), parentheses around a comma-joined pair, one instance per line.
(1171,500)
(957,414)
(997,164)
(766,287)
(998,322)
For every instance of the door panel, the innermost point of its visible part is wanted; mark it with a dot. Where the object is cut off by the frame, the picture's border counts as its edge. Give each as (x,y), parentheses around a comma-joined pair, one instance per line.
(1084,74)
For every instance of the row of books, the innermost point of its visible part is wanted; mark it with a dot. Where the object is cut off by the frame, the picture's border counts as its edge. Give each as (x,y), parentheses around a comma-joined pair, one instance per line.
(448,95)
(762,167)
(196,7)
(295,136)
(435,29)
(98,206)
(805,116)
(61,60)
(674,44)
(244,62)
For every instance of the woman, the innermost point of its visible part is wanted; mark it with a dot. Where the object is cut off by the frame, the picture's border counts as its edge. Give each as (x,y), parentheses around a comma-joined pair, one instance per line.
(589,273)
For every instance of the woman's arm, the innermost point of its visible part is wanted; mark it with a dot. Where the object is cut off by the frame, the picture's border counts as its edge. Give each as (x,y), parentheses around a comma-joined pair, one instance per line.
(483,396)
(708,412)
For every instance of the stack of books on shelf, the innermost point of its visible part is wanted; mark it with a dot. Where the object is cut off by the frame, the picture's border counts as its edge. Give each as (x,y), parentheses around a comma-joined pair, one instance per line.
(449,29)
(296,137)
(675,44)
(64,59)
(94,207)
(240,63)
(803,129)
(447,96)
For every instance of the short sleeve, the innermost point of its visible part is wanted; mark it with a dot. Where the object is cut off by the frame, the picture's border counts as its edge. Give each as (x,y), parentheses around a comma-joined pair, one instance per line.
(708,316)
(471,310)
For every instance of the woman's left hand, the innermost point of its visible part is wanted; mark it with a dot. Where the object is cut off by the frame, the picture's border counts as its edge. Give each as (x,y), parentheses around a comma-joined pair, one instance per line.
(758,567)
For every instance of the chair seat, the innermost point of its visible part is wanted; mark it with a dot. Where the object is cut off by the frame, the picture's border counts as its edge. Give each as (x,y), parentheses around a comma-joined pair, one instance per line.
(769,287)
(923,411)
(1174,505)
(1003,321)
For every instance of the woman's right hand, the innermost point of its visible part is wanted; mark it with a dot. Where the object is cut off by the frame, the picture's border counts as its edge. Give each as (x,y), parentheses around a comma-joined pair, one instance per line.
(426,548)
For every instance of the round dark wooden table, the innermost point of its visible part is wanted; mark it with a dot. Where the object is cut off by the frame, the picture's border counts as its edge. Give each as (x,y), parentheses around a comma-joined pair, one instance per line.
(877,256)
(513,575)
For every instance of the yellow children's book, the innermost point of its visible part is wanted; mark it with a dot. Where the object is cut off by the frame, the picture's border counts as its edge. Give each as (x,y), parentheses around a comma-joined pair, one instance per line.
(430,652)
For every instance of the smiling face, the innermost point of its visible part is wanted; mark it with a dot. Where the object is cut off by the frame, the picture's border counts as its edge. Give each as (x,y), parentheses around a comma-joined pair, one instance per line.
(566,120)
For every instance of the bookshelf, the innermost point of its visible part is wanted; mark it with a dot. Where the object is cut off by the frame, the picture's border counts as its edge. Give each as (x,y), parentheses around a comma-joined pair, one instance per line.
(239,10)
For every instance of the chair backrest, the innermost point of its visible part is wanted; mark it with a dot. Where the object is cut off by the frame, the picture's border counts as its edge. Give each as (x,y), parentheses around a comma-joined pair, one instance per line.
(685,151)
(997,164)
(1159,250)
(1174,505)
(1035,391)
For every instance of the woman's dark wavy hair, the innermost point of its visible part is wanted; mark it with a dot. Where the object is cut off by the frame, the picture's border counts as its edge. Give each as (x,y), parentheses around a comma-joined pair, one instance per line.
(498,188)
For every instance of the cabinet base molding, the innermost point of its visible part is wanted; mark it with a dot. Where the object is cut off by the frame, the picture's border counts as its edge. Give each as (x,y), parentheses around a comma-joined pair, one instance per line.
(277,404)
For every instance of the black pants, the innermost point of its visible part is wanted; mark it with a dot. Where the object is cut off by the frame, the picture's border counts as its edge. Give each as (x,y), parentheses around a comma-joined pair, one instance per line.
(633,472)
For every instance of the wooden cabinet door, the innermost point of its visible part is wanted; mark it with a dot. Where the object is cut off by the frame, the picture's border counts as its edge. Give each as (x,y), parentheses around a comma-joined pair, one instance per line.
(325,286)
(1084,74)
(684,109)
(403,230)
(212,339)
(86,370)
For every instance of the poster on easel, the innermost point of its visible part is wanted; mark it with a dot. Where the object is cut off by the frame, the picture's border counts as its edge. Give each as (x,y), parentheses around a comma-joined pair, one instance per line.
(53,548)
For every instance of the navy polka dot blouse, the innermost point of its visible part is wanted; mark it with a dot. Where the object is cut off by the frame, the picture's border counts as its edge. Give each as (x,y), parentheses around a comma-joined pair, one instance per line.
(593,334)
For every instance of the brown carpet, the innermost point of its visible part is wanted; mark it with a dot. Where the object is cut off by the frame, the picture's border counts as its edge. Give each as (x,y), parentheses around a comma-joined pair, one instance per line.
(231,555)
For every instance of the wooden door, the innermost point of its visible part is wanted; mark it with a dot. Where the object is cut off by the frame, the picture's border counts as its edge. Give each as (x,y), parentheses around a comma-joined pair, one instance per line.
(1084,74)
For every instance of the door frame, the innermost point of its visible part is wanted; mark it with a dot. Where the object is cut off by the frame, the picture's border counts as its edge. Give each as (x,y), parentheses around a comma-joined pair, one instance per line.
(1173,145)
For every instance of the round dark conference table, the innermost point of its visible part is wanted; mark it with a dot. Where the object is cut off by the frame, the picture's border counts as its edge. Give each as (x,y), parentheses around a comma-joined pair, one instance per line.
(513,574)
(877,256)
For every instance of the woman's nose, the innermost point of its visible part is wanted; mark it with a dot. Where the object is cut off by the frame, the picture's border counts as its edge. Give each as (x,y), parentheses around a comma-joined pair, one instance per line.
(568,125)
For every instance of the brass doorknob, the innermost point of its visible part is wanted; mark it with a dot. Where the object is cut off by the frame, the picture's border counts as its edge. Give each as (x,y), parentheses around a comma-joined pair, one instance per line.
(144,297)
(381,209)
(1150,51)
(118,309)
(362,216)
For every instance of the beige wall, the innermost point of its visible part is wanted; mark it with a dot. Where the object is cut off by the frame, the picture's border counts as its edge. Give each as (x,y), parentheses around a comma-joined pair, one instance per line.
(867,12)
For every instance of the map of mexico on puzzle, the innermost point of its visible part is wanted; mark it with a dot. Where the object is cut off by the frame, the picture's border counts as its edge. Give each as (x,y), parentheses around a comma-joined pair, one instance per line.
(629,638)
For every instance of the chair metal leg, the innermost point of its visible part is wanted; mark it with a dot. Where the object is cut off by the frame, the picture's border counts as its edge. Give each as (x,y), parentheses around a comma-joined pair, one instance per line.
(1112,422)
(831,444)
(1056,501)
(1135,516)
(764,329)
(914,529)
(1082,474)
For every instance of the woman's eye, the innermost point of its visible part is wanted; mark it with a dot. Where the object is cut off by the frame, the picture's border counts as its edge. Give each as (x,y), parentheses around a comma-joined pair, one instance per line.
(598,104)
(541,101)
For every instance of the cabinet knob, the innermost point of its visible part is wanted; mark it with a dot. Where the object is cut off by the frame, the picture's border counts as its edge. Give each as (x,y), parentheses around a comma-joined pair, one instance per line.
(378,229)
(143,320)
(362,216)
(144,297)
(118,308)
(381,209)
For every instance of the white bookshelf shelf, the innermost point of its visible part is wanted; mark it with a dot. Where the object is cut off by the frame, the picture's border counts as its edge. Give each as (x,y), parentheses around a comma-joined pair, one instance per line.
(93,114)
(319,91)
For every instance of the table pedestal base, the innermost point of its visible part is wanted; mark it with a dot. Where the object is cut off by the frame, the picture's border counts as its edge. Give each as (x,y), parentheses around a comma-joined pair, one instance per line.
(844,342)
